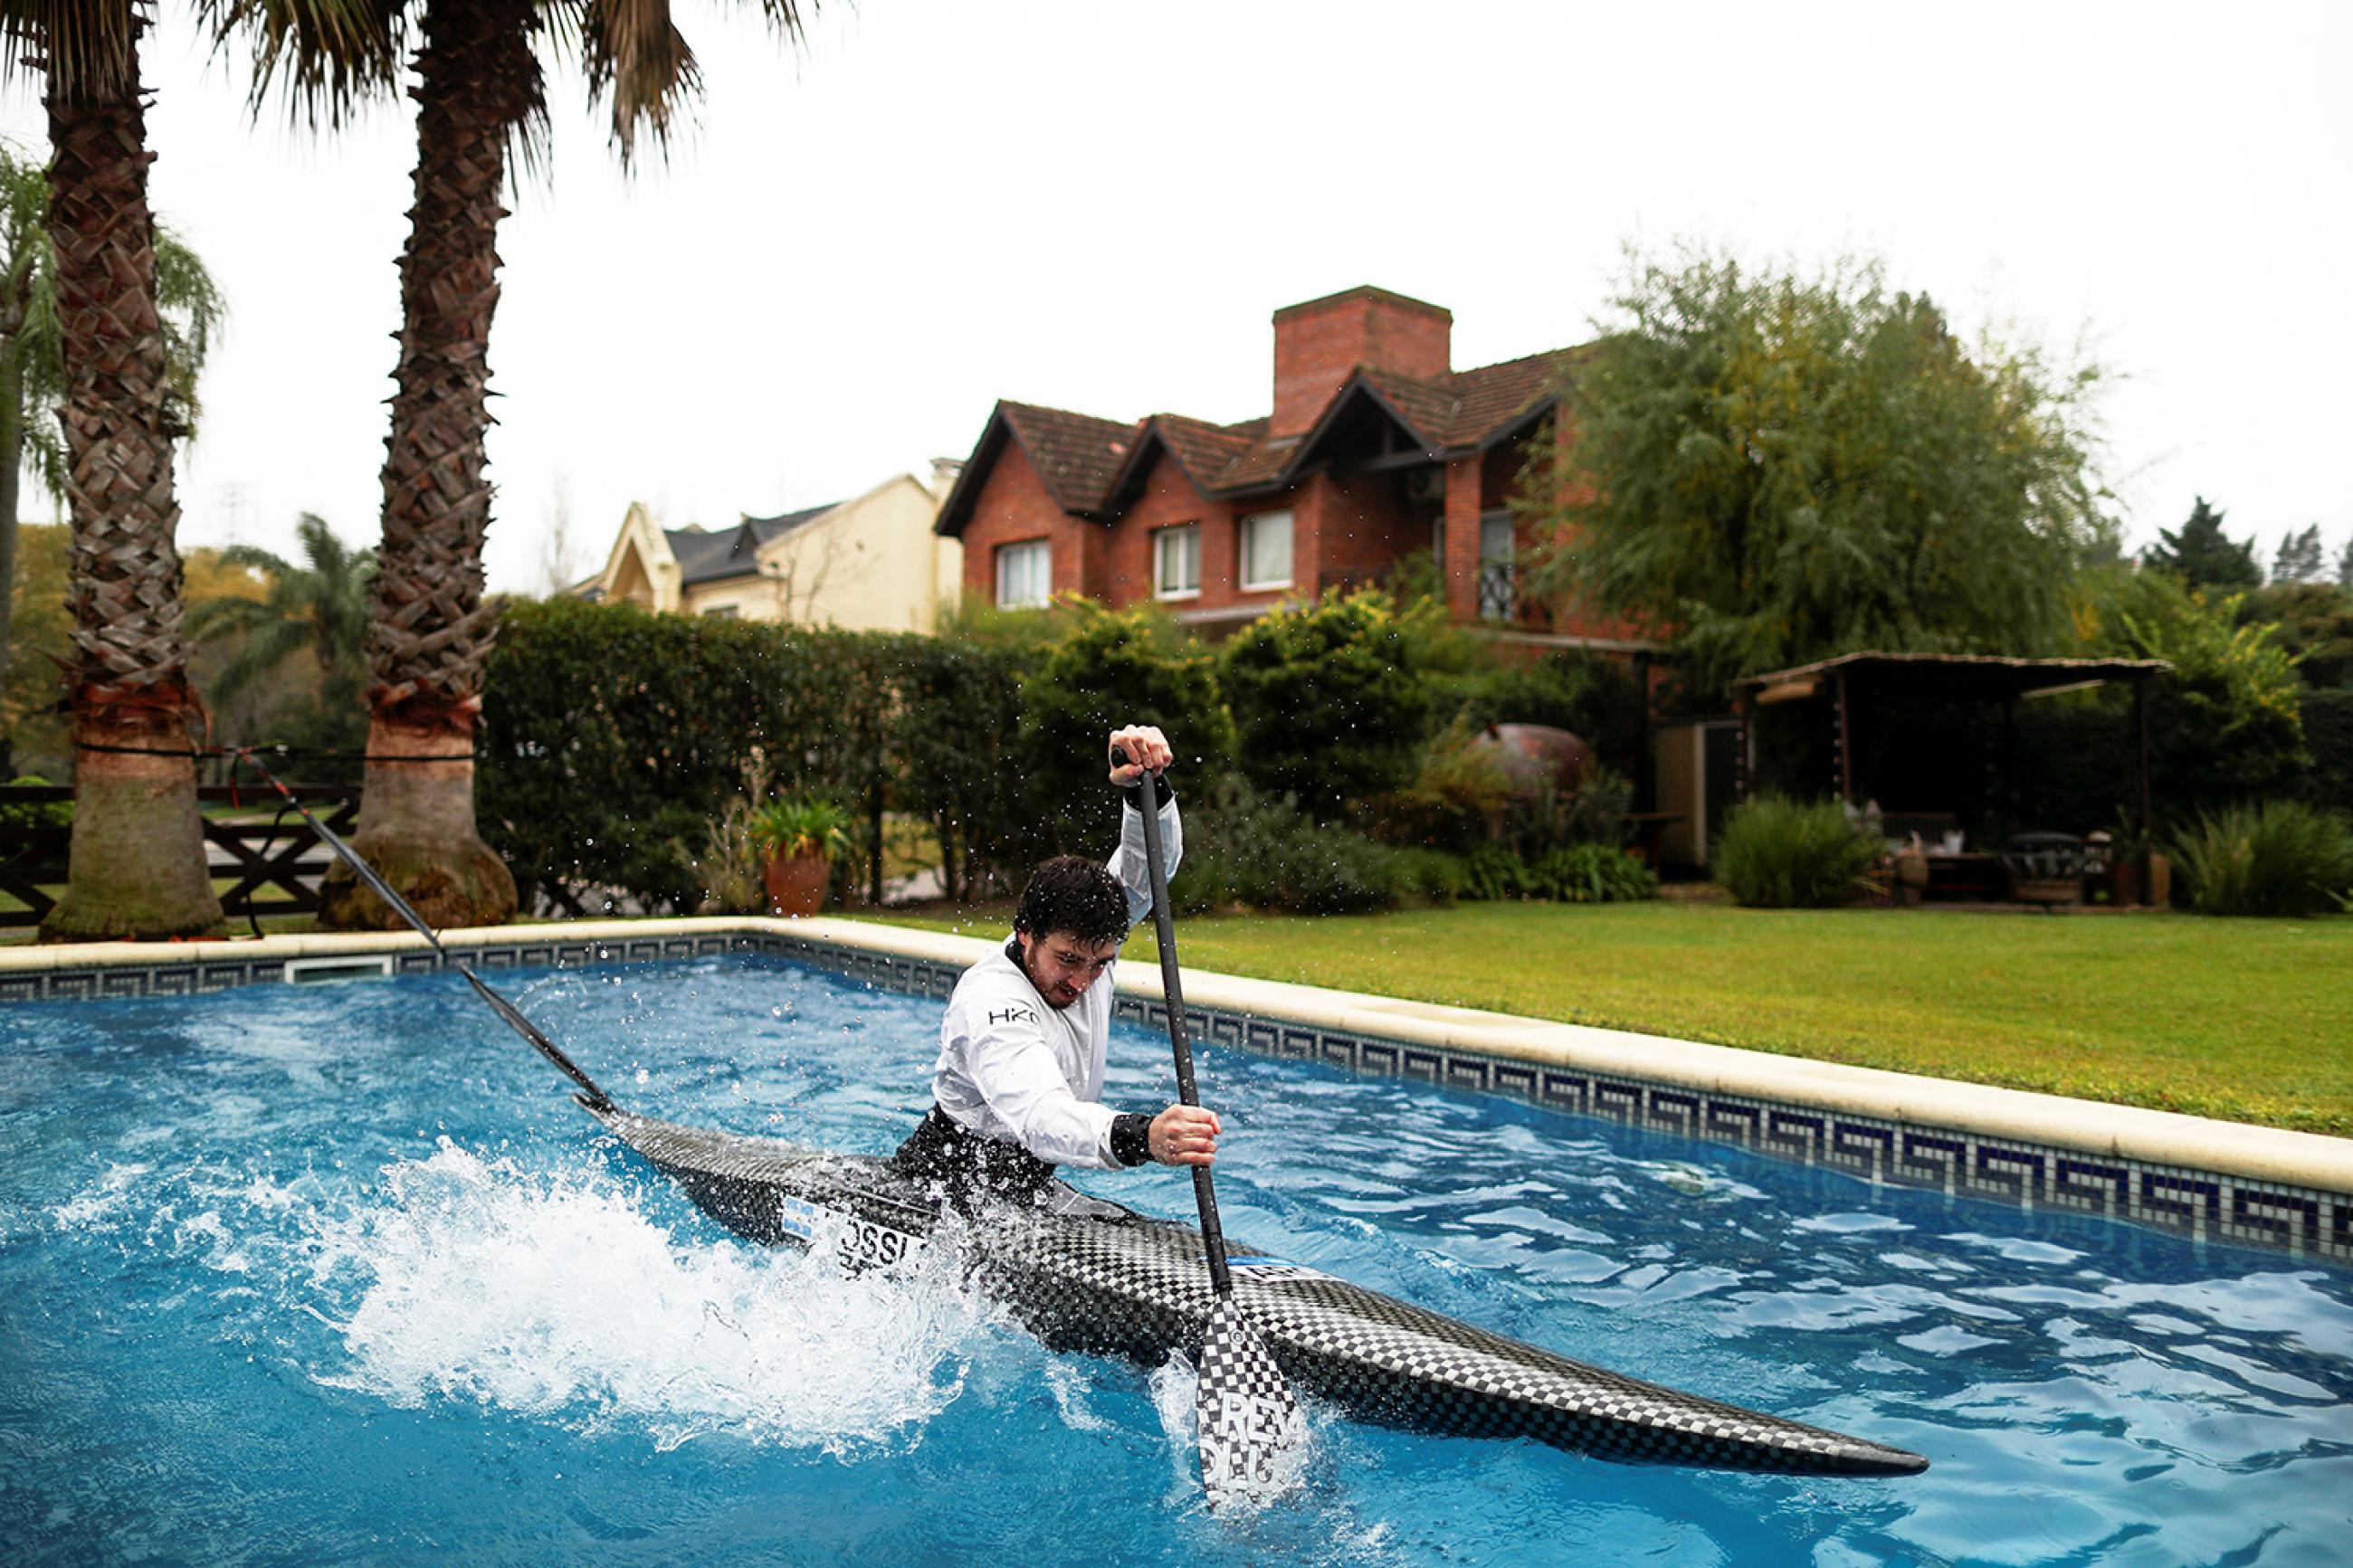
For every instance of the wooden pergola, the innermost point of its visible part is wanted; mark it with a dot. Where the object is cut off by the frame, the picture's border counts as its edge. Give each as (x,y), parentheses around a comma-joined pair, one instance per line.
(1846,680)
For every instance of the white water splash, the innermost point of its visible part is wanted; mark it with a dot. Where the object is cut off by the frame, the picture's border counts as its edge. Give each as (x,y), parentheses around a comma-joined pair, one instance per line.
(554,1295)
(97,1206)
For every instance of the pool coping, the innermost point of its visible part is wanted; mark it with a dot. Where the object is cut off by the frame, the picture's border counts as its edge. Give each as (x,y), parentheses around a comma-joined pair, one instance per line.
(2224,1180)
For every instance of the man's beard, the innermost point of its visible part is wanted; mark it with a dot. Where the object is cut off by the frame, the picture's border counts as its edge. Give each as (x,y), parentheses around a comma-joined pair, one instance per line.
(1046,991)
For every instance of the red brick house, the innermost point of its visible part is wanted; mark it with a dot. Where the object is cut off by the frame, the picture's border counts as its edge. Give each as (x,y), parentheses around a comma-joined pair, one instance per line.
(1376,449)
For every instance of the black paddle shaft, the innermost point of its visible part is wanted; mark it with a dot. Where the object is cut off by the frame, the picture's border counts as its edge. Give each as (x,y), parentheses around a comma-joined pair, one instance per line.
(1205,1191)
(594,1098)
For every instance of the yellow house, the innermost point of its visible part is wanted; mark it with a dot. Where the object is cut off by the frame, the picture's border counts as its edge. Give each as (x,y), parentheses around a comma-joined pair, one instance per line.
(867,564)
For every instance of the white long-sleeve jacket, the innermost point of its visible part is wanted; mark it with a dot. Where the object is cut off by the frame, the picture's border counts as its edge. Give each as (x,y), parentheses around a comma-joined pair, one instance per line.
(1013,1067)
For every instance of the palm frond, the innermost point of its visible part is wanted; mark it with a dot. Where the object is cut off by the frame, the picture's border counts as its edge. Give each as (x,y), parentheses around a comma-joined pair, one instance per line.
(85,49)
(633,52)
(329,59)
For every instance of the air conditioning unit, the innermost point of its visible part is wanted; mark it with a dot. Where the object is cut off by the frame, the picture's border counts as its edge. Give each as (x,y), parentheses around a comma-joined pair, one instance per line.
(1425,484)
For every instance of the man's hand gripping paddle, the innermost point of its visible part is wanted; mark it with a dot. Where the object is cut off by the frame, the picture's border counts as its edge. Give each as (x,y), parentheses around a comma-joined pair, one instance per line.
(1244,1404)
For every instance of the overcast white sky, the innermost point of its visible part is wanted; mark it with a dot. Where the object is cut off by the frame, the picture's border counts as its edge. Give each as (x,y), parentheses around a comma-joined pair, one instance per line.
(1098,203)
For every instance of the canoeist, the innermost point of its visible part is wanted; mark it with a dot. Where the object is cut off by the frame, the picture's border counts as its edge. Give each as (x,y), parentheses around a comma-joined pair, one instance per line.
(1018,1087)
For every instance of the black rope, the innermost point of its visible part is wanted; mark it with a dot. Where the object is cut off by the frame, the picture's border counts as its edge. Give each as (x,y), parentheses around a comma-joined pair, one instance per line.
(325,754)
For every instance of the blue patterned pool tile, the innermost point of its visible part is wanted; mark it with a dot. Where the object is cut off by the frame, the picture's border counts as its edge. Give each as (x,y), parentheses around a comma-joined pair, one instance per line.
(1735,1121)
(1467,1071)
(1930,1160)
(1797,1134)
(2016,1174)
(1674,1109)
(2179,1202)
(2096,1184)
(1512,1079)
(1614,1097)
(1570,1090)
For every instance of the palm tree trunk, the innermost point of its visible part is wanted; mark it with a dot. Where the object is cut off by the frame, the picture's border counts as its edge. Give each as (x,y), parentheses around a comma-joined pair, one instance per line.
(431,630)
(137,866)
(11,462)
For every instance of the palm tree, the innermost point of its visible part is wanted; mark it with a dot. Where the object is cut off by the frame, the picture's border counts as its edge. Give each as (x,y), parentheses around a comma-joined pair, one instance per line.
(137,865)
(482,101)
(32,368)
(320,606)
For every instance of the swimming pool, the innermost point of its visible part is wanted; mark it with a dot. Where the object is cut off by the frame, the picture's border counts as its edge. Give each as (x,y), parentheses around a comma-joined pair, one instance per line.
(338,1273)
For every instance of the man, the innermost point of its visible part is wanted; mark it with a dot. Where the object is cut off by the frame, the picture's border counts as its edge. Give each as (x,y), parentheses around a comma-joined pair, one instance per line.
(1019,1086)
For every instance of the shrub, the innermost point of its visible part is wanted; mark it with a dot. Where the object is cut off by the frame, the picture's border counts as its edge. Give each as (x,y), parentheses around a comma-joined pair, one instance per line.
(1492,871)
(2281,858)
(1591,874)
(1460,786)
(1432,874)
(1109,668)
(2328,731)
(1245,847)
(34,813)
(1776,853)
(1329,706)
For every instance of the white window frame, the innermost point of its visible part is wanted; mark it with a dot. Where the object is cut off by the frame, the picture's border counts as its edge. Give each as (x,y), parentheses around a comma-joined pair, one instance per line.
(1499,599)
(1245,534)
(1185,540)
(1022,551)
(727,612)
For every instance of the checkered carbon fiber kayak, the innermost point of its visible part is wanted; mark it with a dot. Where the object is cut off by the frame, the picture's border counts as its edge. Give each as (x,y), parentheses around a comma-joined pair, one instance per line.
(1085,1275)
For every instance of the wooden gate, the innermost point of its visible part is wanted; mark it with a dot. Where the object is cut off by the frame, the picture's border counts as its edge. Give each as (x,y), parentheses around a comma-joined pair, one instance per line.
(265,861)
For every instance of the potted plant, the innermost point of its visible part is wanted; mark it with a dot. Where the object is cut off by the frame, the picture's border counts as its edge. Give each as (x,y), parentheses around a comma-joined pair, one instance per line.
(2142,873)
(799,835)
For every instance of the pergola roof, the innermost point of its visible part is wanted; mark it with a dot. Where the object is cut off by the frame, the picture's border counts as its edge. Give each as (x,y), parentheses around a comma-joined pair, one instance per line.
(1983,675)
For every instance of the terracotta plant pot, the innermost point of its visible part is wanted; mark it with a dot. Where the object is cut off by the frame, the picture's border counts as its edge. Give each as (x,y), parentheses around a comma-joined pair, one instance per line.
(797,886)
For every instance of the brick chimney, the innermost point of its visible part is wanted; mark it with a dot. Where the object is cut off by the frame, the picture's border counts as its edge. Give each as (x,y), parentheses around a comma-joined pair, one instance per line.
(1317,344)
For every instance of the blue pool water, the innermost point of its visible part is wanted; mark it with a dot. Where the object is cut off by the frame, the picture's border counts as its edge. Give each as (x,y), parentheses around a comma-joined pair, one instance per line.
(338,1274)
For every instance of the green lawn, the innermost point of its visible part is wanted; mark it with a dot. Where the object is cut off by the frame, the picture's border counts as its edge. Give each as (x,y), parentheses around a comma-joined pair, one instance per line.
(2249,1020)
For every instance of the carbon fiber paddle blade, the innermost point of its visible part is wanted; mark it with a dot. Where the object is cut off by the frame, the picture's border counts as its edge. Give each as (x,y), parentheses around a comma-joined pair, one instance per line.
(1245,1408)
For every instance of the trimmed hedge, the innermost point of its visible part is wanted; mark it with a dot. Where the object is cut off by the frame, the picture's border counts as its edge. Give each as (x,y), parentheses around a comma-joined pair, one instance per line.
(613,737)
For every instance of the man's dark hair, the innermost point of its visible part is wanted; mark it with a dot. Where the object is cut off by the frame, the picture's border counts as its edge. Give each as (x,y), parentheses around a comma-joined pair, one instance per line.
(1070,893)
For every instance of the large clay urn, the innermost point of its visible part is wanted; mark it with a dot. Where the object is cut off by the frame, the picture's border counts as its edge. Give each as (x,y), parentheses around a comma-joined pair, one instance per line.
(796,883)
(1536,756)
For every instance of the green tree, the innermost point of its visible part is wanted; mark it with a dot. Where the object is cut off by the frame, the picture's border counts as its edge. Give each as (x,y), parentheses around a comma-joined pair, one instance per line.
(1777,466)
(137,866)
(1329,701)
(481,91)
(2202,556)
(32,370)
(2345,565)
(1109,667)
(2312,622)
(2226,724)
(2299,559)
(320,607)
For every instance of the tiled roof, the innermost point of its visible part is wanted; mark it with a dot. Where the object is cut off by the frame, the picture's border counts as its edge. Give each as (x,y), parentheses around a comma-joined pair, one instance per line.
(1076,454)
(705,557)
(1494,397)
(1206,450)
(1081,459)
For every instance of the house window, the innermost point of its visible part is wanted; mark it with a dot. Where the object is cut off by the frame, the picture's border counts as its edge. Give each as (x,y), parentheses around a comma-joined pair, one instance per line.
(723,612)
(1025,575)
(1177,561)
(1497,573)
(1266,550)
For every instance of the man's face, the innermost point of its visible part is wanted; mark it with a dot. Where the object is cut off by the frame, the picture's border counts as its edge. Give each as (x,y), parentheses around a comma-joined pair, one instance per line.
(1061,966)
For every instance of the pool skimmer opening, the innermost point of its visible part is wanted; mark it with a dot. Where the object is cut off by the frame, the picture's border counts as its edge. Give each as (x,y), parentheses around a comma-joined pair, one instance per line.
(327,971)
